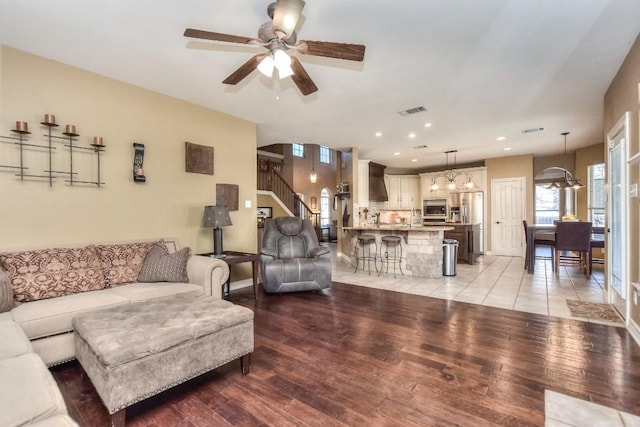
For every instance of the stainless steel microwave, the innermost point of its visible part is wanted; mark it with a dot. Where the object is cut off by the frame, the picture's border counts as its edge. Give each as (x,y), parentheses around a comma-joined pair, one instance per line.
(433,207)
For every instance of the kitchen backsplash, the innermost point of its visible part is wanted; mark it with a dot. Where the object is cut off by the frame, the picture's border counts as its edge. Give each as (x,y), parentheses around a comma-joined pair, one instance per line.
(366,216)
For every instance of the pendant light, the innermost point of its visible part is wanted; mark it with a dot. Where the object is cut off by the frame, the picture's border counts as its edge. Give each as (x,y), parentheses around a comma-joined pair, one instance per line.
(450,176)
(573,183)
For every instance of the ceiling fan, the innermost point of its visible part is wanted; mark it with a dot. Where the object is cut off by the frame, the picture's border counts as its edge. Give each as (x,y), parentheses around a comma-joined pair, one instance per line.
(279,36)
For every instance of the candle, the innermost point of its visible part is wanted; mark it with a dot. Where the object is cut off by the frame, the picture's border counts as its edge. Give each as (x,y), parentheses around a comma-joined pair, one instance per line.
(22,126)
(139,172)
(97,140)
(71,129)
(50,119)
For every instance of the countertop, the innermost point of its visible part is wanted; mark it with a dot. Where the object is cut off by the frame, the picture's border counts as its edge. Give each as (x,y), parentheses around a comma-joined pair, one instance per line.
(391,227)
(450,224)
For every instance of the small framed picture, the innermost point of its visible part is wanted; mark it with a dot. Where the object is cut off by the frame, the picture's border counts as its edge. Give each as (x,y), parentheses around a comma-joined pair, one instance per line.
(265,212)
(314,203)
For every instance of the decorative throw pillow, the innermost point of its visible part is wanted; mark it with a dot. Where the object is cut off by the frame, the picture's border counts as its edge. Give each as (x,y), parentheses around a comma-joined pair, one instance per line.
(50,273)
(160,266)
(122,262)
(6,292)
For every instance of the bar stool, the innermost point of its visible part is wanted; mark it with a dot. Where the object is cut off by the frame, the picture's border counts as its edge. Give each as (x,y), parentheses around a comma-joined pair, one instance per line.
(364,242)
(395,243)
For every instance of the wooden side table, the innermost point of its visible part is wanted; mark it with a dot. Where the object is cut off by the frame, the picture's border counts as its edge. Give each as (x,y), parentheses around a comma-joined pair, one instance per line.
(233,258)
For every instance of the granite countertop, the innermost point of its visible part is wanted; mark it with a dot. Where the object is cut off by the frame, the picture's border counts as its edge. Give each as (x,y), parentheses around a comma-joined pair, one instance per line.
(391,227)
(450,224)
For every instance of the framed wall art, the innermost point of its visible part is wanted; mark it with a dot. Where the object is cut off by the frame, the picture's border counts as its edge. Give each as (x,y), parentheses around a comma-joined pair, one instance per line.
(265,212)
(198,158)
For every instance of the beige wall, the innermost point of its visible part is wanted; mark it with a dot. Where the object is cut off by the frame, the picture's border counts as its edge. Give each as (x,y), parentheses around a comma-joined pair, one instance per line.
(622,96)
(170,203)
(509,167)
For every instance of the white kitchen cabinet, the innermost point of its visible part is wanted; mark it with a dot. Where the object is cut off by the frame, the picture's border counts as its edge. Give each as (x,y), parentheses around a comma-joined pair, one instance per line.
(403,191)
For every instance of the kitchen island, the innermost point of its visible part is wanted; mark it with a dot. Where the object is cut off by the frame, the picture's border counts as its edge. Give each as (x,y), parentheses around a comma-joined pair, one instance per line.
(421,246)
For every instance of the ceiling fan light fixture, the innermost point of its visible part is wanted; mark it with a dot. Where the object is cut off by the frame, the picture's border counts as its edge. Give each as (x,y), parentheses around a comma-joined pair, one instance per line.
(285,71)
(266,66)
(285,17)
(281,59)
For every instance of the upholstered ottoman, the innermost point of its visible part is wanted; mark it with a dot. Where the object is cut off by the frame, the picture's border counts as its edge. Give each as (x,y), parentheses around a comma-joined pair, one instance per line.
(134,351)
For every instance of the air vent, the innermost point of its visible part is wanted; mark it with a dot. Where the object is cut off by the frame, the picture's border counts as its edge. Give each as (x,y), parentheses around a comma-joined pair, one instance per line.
(413,110)
(532,130)
(420,147)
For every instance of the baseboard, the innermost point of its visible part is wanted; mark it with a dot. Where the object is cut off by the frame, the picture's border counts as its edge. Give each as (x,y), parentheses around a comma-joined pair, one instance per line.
(241,284)
(346,258)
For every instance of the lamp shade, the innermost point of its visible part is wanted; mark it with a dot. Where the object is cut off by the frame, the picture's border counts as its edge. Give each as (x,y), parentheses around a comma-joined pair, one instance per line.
(216,216)
(266,66)
(286,15)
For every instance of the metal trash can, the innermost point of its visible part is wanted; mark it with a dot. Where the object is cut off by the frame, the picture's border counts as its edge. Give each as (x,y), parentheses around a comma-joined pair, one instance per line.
(449,257)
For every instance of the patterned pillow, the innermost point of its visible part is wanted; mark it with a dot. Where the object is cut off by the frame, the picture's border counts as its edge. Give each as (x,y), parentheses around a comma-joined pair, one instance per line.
(160,266)
(50,273)
(122,262)
(6,292)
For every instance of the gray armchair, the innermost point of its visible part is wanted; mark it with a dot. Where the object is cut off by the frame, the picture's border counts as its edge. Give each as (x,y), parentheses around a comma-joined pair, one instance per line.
(291,258)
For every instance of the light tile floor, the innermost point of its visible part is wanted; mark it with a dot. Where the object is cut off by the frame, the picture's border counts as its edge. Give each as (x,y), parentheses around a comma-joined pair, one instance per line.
(494,281)
(565,411)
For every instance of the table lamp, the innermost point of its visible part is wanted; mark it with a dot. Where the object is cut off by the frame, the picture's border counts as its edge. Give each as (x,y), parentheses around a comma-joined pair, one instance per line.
(216,217)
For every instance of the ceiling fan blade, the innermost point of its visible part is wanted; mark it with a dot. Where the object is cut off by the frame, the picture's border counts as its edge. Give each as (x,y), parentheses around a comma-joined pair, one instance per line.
(350,52)
(244,70)
(208,35)
(301,78)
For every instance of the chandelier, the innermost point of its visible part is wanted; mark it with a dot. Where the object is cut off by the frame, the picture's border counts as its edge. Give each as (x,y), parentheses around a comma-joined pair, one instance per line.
(450,176)
(568,182)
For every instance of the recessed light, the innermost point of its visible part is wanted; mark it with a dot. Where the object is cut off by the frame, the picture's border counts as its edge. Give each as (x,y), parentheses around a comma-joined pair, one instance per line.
(501,138)
(427,125)
(378,133)
(396,154)
(412,135)
(414,160)
(507,148)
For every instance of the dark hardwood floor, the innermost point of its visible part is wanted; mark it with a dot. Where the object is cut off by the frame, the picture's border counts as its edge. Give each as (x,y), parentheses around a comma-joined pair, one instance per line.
(358,356)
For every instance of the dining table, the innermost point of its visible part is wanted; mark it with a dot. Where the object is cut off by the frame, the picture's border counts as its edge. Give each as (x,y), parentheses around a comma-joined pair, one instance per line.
(597,241)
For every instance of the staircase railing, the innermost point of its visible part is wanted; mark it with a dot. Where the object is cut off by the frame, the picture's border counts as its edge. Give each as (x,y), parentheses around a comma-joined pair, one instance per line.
(269,179)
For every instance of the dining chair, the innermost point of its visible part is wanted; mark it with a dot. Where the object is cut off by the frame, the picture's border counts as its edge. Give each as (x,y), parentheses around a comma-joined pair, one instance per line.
(541,239)
(573,245)
(597,241)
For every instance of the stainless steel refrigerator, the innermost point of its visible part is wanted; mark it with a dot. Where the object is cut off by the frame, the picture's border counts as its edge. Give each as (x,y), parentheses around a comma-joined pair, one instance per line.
(468,208)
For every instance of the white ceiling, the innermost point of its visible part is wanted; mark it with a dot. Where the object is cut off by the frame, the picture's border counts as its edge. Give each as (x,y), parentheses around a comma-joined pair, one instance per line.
(482,68)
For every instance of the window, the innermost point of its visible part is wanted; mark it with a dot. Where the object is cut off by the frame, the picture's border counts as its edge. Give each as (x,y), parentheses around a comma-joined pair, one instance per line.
(297,150)
(547,204)
(595,194)
(325,154)
(325,212)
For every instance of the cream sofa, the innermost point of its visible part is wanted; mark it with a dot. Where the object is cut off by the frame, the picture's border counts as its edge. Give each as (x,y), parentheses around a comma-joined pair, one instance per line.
(47,321)
(52,285)
(28,393)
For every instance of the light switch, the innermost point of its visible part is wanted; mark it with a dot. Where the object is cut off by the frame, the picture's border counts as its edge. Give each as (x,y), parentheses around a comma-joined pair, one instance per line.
(247,203)
(633,191)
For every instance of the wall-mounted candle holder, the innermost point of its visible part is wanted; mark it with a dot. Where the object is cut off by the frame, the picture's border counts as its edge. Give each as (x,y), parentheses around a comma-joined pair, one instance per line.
(138,159)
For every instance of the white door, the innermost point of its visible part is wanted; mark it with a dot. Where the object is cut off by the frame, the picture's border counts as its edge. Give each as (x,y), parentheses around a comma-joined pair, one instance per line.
(507,213)
(617,215)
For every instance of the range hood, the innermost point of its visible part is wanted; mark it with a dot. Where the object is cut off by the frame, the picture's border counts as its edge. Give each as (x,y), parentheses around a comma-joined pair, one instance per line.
(377,189)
